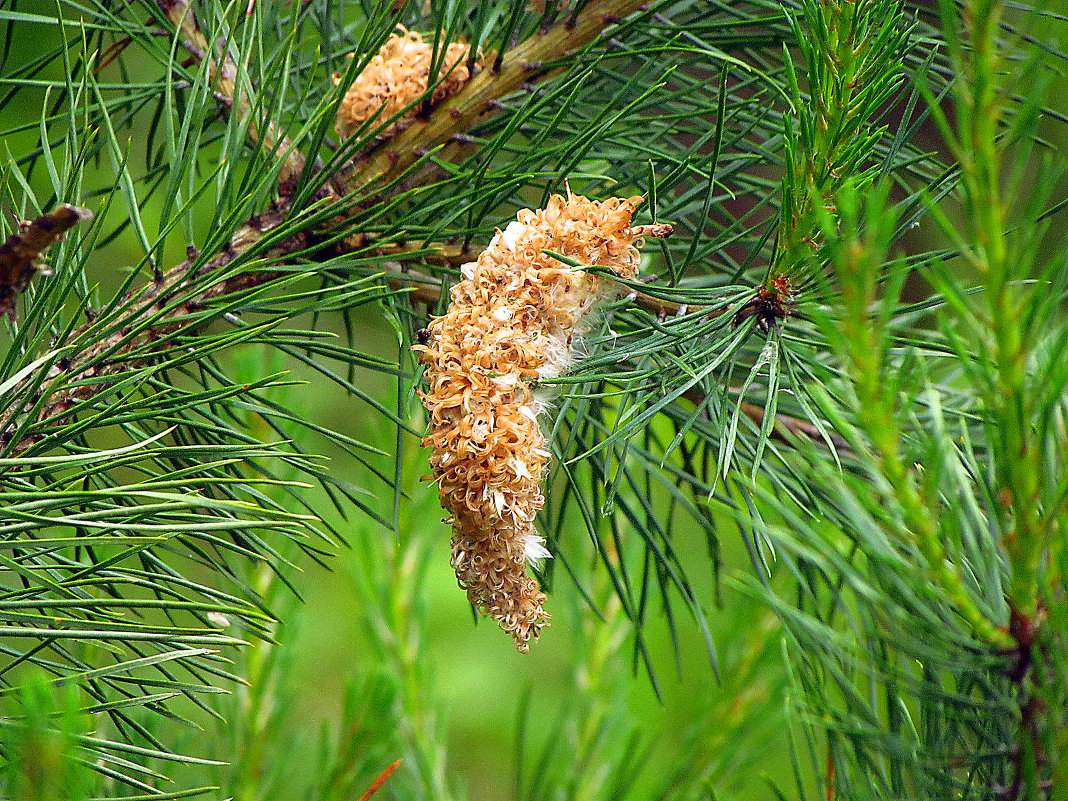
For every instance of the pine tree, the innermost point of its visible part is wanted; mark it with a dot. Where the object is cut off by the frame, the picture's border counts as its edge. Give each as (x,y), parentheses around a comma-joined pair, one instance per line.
(674,281)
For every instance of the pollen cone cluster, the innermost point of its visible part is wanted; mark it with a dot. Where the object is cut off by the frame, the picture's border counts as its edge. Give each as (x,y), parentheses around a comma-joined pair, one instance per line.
(396,77)
(511,322)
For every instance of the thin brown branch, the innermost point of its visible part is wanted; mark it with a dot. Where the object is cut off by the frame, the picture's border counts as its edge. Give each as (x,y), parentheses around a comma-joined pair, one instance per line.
(223,74)
(787,428)
(83,376)
(380,781)
(427,290)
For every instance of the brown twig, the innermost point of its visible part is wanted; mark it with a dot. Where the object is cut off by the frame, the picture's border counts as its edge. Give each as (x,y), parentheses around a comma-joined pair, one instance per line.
(380,780)
(223,74)
(427,289)
(787,428)
(86,373)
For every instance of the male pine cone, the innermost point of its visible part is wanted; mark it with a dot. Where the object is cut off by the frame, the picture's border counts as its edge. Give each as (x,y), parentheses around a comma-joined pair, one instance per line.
(397,76)
(514,320)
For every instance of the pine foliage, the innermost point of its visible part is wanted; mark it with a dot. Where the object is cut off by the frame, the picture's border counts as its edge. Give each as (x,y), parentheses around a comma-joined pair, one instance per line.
(849,355)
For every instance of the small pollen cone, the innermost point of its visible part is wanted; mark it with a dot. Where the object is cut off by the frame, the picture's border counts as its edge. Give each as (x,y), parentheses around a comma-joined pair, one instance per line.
(396,77)
(512,321)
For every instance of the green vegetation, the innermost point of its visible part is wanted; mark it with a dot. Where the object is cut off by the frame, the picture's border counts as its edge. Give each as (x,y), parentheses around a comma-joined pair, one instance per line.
(808,503)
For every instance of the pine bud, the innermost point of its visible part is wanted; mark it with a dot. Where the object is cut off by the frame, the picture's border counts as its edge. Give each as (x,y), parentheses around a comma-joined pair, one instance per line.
(396,77)
(515,318)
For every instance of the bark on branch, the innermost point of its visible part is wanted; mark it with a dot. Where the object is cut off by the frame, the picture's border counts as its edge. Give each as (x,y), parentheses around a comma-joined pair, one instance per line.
(224,76)
(476,102)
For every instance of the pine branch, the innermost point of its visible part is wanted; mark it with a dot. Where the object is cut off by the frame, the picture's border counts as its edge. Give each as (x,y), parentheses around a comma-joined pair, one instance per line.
(225,77)
(171,302)
(157,311)
(521,64)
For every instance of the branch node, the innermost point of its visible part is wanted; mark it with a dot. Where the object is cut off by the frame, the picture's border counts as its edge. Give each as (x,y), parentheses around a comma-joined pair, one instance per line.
(771,304)
(20,252)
